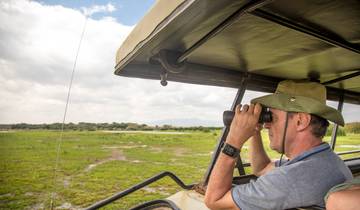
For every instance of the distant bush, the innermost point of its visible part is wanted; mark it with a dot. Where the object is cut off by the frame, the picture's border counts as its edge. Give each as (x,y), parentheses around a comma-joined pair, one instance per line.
(353,127)
(84,126)
(340,132)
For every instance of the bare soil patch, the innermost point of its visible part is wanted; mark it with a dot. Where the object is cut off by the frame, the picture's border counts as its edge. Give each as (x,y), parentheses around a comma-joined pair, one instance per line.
(125,147)
(180,152)
(156,149)
(36,207)
(68,206)
(115,155)
(160,190)
(67,181)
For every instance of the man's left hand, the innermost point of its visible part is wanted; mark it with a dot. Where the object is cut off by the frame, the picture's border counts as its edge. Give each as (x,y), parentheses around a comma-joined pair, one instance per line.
(244,124)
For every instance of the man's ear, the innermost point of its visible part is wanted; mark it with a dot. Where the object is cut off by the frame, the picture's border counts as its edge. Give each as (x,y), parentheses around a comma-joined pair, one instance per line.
(303,121)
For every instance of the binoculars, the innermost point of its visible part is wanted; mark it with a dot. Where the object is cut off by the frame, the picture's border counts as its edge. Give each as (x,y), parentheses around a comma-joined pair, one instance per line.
(265,116)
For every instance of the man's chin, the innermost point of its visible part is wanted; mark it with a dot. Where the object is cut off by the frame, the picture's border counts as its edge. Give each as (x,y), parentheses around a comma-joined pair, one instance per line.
(273,147)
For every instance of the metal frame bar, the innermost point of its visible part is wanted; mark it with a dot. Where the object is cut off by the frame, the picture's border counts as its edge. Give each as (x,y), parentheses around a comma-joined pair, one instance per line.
(352,159)
(222,77)
(349,76)
(325,36)
(139,186)
(336,126)
(348,152)
(158,203)
(227,22)
(240,166)
(225,131)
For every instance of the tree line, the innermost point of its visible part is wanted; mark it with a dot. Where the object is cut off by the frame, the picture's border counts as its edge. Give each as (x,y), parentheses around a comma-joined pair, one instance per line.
(85,126)
(353,127)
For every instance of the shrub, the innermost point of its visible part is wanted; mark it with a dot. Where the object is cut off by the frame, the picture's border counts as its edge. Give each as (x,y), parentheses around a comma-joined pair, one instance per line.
(340,131)
(353,127)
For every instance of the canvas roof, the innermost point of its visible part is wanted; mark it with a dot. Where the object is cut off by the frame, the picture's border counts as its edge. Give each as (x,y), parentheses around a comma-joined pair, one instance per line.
(222,42)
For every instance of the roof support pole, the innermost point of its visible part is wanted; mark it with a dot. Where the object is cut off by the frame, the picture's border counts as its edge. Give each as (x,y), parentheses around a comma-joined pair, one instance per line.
(224,133)
(325,36)
(336,126)
(349,76)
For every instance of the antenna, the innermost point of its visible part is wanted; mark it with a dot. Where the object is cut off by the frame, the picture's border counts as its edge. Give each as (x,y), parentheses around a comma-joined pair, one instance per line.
(59,141)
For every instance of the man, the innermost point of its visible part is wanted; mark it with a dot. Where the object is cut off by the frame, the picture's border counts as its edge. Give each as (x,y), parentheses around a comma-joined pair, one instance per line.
(299,122)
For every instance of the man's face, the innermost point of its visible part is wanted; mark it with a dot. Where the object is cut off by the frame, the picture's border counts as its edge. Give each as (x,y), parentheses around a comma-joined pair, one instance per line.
(276,129)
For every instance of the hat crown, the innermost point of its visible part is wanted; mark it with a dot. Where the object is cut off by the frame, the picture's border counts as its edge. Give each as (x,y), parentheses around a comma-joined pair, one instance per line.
(306,89)
(301,96)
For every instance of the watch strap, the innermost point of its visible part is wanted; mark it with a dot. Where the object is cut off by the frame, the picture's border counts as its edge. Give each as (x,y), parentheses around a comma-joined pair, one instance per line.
(230,150)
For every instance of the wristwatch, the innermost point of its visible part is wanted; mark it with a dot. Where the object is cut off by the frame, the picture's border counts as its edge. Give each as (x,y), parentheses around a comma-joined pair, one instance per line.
(230,150)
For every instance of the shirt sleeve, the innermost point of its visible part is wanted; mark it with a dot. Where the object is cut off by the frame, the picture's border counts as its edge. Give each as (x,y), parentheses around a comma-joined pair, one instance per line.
(270,191)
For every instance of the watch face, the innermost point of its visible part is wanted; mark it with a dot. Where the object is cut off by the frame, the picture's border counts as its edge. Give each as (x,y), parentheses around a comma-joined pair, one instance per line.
(230,150)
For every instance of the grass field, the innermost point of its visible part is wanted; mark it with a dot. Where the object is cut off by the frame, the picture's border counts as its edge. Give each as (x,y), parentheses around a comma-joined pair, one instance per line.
(95,165)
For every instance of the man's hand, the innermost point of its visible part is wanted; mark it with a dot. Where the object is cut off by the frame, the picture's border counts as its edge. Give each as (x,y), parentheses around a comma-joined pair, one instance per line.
(244,124)
(218,193)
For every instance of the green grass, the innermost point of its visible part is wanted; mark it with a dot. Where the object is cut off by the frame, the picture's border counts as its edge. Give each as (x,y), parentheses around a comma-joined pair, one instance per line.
(123,159)
(28,160)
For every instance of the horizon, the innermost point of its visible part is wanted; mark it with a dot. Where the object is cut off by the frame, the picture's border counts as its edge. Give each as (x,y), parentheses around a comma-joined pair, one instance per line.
(150,124)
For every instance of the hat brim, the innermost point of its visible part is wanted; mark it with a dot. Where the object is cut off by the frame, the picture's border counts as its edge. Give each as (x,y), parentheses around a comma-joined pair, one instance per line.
(300,104)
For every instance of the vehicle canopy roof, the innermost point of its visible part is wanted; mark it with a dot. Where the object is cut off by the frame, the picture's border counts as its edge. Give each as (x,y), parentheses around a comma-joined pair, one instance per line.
(222,42)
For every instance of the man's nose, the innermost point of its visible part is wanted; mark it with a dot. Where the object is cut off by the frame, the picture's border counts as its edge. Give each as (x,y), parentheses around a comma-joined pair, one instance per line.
(267,125)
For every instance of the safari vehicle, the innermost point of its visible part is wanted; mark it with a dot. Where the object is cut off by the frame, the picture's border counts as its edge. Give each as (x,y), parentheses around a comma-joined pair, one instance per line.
(248,45)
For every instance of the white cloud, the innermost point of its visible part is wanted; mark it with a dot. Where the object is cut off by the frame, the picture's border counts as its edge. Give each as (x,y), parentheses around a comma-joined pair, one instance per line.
(88,11)
(38,45)
(38,52)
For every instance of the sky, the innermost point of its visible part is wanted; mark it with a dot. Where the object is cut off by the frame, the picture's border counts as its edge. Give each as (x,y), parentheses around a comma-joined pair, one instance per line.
(39,41)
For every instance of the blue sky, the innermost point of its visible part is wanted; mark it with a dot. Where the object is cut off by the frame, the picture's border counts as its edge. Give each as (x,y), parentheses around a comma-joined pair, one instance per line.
(128,12)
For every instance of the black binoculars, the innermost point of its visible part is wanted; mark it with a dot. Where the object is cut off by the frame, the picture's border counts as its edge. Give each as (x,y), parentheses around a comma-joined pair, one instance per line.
(265,116)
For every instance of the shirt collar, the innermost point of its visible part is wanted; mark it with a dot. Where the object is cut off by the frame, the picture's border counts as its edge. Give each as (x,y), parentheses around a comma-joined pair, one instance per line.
(312,151)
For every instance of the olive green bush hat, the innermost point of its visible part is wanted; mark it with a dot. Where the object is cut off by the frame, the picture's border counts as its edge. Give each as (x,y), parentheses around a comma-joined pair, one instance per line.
(300,96)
